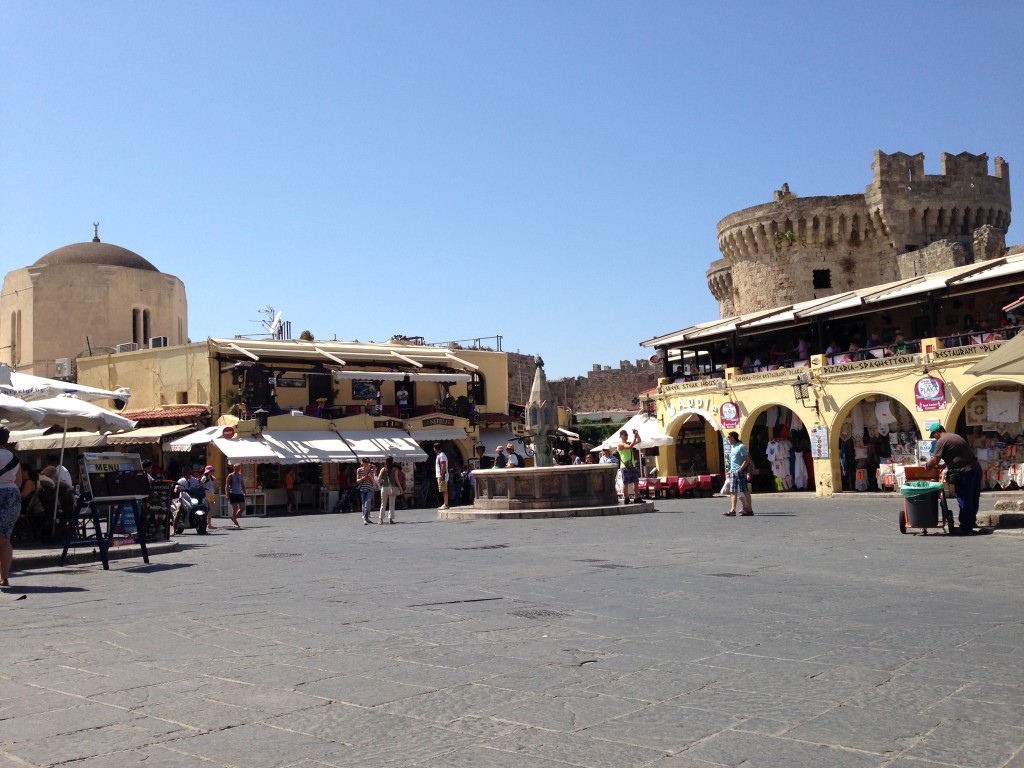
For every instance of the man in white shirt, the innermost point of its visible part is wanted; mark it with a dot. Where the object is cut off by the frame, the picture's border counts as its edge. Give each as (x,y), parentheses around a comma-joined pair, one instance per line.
(441,473)
(60,473)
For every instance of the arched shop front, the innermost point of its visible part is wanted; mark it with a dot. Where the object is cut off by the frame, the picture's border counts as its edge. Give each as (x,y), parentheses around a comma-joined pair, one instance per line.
(779,446)
(990,417)
(698,442)
(878,436)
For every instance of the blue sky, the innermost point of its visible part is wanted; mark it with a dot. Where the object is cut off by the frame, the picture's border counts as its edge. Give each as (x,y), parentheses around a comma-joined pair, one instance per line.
(551,172)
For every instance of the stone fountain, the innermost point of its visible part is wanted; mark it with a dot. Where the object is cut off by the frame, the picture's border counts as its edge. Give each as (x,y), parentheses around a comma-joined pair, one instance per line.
(545,489)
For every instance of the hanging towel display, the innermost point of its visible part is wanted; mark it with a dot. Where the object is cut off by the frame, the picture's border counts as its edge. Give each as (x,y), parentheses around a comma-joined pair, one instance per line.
(1003,406)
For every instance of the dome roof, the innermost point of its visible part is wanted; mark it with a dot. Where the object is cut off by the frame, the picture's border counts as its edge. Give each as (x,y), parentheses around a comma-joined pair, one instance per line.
(95,253)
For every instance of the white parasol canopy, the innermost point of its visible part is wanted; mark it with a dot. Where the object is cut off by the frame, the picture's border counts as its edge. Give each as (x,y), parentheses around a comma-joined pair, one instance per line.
(29,387)
(651,435)
(17,413)
(69,411)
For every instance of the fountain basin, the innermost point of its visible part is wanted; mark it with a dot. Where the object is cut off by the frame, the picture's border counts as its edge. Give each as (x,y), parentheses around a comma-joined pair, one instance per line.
(582,490)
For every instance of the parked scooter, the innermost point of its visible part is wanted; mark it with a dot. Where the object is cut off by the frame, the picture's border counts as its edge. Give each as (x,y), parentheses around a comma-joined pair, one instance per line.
(193,509)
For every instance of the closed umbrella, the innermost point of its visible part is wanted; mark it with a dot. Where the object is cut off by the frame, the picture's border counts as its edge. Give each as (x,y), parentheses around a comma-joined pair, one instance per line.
(70,411)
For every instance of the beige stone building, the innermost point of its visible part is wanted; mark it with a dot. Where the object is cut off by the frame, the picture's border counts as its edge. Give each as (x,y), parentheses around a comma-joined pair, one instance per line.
(906,223)
(86,299)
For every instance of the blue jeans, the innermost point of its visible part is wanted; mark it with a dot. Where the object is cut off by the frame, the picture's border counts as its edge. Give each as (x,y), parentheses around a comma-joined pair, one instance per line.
(367,500)
(968,497)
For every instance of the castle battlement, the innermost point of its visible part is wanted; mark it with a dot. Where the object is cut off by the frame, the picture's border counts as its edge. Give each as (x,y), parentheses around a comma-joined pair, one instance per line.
(799,248)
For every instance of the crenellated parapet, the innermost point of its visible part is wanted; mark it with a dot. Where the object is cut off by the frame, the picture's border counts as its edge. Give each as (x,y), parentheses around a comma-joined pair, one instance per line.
(799,248)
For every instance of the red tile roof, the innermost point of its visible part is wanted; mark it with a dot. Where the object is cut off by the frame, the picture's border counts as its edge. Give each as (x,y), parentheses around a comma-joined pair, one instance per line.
(168,414)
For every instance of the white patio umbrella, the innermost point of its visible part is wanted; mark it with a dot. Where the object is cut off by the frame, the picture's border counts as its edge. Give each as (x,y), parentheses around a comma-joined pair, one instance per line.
(17,413)
(29,387)
(70,411)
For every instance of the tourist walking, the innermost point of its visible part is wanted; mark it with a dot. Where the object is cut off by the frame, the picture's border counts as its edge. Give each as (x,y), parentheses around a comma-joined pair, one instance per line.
(364,482)
(390,490)
(10,502)
(234,489)
(739,465)
(289,489)
(209,484)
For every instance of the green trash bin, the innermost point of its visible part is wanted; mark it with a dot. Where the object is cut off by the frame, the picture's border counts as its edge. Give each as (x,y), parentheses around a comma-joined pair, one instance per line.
(921,498)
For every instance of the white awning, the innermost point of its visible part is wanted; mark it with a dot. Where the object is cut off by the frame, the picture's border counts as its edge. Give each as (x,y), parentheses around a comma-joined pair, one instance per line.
(378,444)
(321,447)
(146,434)
(442,433)
(201,437)
(53,442)
(492,438)
(247,450)
(400,376)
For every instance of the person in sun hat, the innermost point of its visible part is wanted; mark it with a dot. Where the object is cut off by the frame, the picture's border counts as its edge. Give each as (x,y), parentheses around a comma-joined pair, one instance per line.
(499,457)
(209,484)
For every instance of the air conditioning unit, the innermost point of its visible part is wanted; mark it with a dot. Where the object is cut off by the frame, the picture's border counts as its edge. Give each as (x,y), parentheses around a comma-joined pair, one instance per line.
(64,368)
(157,341)
(129,347)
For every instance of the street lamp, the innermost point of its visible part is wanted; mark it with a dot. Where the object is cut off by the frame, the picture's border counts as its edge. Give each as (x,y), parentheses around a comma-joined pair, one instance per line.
(261,420)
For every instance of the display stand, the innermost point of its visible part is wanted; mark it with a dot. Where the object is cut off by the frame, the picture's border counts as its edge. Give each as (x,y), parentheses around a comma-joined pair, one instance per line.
(118,482)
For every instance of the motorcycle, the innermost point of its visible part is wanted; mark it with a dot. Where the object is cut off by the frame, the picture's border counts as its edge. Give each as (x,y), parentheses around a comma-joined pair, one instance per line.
(193,510)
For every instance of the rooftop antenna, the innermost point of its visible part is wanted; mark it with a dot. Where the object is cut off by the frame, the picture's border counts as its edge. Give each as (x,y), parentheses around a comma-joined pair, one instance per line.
(275,327)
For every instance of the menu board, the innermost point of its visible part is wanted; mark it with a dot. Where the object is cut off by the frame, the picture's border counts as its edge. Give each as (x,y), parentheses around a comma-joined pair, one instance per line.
(113,476)
(156,508)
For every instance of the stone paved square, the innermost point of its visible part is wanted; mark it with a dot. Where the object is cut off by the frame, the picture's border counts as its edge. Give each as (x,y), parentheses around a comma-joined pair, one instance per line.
(812,634)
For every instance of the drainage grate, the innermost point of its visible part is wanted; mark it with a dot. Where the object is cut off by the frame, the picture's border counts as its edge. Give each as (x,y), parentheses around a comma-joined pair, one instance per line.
(731,575)
(484,546)
(280,554)
(611,565)
(538,614)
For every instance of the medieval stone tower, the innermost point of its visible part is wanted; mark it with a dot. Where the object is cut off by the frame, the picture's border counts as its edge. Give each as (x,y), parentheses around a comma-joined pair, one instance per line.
(906,223)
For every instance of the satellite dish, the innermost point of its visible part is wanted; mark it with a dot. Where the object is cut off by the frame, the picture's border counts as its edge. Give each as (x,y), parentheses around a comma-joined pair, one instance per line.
(275,326)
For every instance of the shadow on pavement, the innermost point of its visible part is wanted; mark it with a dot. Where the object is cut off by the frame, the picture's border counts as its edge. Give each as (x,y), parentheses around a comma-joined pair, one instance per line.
(154,567)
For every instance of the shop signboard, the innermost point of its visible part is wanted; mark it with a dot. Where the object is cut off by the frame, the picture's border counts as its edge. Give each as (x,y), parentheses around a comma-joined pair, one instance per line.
(729,413)
(930,394)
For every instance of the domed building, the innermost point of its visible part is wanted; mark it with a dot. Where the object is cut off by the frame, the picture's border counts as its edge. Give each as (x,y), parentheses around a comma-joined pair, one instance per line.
(86,299)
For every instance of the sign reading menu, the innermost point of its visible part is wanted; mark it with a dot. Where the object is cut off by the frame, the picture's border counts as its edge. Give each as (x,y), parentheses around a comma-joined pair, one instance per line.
(113,475)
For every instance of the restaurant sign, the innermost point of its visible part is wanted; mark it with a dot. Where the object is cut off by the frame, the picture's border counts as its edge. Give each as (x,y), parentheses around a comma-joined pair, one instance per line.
(930,394)
(438,421)
(729,413)
(388,424)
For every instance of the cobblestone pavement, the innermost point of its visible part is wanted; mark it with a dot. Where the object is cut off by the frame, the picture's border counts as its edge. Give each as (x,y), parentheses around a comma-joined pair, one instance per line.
(812,634)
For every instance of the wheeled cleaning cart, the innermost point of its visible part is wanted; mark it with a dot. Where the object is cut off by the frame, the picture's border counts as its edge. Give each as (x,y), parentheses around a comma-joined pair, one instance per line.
(925,507)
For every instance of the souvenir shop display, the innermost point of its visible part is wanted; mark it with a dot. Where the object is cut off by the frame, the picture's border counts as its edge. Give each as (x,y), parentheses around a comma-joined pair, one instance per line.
(993,421)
